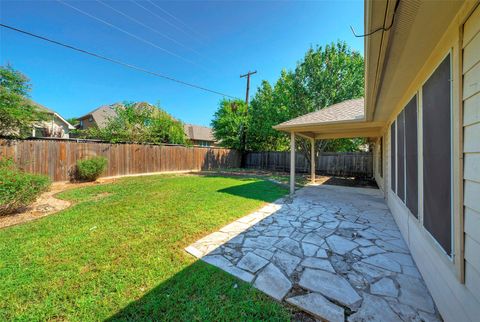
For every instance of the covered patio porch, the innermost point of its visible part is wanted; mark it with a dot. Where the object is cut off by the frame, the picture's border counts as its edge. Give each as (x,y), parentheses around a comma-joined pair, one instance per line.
(342,120)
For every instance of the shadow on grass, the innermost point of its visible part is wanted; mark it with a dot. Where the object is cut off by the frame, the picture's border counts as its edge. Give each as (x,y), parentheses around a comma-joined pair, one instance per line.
(258,190)
(202,292)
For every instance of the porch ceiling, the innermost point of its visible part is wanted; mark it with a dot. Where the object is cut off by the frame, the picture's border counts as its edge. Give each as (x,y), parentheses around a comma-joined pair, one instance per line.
(337,130)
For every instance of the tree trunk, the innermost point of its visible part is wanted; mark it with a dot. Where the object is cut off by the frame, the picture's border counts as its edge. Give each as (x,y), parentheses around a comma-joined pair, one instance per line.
(303,146)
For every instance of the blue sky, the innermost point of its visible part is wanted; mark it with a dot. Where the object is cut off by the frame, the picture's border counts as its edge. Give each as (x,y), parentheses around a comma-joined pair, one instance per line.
(209,43)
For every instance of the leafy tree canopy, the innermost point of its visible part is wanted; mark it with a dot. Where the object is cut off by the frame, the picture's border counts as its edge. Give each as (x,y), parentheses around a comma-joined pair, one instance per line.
(17,113)
(74,121)
(139,123)
(229,122)
(325,76)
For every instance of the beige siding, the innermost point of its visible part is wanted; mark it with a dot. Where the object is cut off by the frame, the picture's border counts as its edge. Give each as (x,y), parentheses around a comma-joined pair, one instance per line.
(471,81)
(472,277)
(457,301)
(472,224)
(472,195)
(454,300)
(472,253)
(471,149)
(471,110)
(470,54)
(471,27)
(471,141)
(472,167)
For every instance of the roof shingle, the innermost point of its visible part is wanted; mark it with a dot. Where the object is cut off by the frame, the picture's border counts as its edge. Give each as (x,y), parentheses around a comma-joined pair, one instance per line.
(197,132)
(350,110)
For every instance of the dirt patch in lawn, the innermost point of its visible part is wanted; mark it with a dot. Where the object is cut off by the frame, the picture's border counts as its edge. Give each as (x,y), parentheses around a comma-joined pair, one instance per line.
(47,203)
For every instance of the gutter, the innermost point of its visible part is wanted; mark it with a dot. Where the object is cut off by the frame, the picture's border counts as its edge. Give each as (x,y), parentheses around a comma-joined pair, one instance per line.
(373,94)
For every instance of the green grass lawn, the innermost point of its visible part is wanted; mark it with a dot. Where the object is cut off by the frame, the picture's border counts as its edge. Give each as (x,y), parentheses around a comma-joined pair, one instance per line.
(118,254)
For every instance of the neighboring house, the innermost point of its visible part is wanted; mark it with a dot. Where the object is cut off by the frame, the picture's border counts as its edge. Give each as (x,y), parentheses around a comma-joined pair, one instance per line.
(54,125)
(422,111)
(97,118)
(199,135)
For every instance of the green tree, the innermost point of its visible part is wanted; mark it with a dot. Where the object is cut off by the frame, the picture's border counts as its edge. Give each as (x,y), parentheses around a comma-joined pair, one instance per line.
(166,129)
(17,113)
(229,123)
(74,121)
(269,107)
(327,76)
(139,123)
(324,77)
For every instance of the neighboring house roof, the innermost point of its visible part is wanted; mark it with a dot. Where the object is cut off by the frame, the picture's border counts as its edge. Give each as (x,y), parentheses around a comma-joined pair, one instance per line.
(101,114)
(52,112)
(199,133)
(351,110)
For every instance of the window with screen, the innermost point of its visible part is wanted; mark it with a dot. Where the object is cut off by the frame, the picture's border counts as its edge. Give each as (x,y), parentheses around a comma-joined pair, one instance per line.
(393,149)
(411,156)
(401,155)
(436,124)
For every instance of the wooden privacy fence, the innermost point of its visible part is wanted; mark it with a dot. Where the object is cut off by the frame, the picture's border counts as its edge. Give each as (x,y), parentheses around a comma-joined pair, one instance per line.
(350,164)
(57,158)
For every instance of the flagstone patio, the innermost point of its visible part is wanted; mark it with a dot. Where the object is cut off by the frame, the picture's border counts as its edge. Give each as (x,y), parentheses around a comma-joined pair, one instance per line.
(334,252)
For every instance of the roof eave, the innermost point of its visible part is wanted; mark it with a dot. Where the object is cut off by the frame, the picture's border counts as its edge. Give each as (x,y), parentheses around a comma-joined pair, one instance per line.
(377,13)
(335,130)
(70,126)
(84,116)
(288,127)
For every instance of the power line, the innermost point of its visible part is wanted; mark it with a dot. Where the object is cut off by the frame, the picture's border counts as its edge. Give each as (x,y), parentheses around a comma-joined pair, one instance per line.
(176,18)
(148,27)
(126,32)
(159,17)
(115,61)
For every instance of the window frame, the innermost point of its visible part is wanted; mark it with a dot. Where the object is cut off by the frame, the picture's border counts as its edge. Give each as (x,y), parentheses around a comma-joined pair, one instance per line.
(393,156)
(420,111)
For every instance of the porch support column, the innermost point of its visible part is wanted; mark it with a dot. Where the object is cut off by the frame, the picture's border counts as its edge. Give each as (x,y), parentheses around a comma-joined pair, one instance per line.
(292,163)
(312,163)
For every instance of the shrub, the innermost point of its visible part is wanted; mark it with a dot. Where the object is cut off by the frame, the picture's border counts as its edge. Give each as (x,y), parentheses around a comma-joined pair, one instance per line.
(18,189)
(90,169)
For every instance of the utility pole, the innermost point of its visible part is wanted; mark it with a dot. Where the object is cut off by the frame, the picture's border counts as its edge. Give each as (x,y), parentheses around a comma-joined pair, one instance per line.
(244,129)
(247,75)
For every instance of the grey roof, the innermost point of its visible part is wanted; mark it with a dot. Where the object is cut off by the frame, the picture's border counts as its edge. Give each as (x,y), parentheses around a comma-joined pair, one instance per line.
(197,132)
(346,111)
(102,114)
(41,107)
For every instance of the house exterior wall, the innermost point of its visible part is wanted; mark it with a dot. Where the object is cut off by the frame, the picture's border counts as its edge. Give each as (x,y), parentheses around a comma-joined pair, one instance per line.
(203,143)
(379,162)
(51,128)
(471,149)
(87,122)
(454,282)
